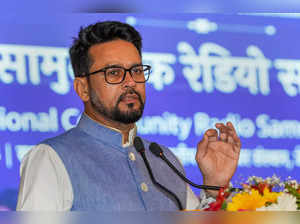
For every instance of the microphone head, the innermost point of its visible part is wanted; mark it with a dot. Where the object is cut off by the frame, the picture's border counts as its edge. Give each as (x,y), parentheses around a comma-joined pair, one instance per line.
(155,149)
(138,144)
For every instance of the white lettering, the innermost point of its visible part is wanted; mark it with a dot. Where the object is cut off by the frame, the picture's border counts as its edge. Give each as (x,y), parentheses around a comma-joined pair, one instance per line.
(272,128)
(167,124)
(272,158)
(289,75)
(28,121)
(8,156)
(47,61)
(67,117)
(217,69)
(244,127)
(162,73)
(12,64)
(296,155)
(245,159)
(185,154)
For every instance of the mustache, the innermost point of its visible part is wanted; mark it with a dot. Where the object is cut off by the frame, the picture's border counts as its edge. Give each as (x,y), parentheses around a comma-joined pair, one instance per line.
(130,91)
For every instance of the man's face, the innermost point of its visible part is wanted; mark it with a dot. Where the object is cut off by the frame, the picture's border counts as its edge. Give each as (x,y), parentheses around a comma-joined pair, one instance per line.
(122,102)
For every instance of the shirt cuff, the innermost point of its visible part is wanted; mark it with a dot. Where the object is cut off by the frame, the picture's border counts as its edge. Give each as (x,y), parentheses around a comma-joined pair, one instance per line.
(205,199)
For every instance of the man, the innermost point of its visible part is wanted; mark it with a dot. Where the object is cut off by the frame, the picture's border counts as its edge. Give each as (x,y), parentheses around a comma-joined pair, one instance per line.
(94,166)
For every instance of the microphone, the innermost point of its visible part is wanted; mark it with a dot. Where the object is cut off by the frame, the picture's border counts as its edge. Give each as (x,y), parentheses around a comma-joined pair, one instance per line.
(157,150)
(139,146)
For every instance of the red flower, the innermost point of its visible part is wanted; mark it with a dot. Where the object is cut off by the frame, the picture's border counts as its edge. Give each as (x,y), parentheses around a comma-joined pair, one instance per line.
(217,205)
(261,186)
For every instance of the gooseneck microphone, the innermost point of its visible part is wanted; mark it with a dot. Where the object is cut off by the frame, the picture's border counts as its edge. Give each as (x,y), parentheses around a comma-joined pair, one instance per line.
(139,146)
(157,150)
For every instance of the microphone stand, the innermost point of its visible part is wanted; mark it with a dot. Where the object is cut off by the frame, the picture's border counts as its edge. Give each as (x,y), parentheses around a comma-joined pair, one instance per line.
(139,146)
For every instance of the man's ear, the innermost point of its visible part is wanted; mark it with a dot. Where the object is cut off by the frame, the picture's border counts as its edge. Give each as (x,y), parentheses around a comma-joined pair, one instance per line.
(82,88)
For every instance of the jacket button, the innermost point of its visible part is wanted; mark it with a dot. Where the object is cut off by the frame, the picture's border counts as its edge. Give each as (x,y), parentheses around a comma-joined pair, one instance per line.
(131,156)
(144,187)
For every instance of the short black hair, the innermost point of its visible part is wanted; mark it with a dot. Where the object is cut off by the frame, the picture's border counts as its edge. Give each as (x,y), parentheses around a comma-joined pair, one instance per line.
(97,33)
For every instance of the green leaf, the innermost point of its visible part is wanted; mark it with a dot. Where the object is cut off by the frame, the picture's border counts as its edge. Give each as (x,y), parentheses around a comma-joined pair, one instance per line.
(224,206)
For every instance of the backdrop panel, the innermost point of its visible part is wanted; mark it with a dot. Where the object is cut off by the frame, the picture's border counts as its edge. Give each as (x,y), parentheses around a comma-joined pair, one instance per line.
(206,69)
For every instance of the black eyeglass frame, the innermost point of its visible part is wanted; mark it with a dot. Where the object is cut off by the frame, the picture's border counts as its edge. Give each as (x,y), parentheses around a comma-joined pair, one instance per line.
(148,68)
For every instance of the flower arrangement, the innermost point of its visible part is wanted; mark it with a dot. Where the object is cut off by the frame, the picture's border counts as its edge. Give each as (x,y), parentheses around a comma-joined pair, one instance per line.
(260,194)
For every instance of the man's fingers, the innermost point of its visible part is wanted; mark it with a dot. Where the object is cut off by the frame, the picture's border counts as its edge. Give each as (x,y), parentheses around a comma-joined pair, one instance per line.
(209,136)
(212,135)
(223,137)
(233,135)
(228,134)
(230,140)
(224,132)
(202,147)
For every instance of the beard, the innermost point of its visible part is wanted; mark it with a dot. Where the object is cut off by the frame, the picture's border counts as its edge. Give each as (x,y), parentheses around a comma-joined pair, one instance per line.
(115,114)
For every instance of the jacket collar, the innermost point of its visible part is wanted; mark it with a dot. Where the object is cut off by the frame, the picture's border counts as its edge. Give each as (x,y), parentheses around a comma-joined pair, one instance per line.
(105,133)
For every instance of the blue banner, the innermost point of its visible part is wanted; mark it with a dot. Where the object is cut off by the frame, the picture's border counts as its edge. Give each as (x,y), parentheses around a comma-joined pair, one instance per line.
(206,69)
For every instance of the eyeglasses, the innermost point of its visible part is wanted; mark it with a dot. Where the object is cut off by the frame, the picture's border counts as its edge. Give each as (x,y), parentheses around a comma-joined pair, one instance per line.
(116,74)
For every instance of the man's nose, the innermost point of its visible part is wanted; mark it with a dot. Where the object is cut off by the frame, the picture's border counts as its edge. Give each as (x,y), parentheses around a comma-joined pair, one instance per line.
(128,80)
